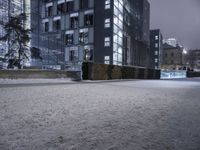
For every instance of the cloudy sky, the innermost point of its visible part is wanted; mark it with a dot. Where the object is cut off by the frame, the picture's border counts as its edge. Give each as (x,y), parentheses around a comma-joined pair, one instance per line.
(179,19)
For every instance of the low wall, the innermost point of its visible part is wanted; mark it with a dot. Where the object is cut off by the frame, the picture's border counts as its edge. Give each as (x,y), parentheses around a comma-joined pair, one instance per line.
(93,71)
(191,74)
(15,74)
(173,74)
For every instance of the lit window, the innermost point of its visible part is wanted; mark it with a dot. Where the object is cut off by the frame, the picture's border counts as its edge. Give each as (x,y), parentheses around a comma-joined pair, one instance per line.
(120,7)
(107,41)
(156,60)
(115,38)
(121,17)
(156,44)
(69,39)
(107,23)
(116,20)
(115,56)
(120,50)
(88,53)
(83,36)
(156,37)
(107,4)
(107,60)
(156,52)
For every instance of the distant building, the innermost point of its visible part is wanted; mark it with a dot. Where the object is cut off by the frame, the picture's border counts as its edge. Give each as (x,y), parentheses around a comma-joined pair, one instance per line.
(156,48)
(193,59)
(172,57)
(69,32)
(171,41)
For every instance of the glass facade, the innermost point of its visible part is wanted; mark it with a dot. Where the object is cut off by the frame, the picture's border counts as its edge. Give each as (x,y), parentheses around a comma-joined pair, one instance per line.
(118,32)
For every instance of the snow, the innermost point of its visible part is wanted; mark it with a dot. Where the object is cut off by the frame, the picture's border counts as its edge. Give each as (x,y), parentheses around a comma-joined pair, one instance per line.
(127,115)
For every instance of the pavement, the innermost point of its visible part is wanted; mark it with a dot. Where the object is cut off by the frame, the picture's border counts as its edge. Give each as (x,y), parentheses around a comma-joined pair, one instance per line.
(100,115)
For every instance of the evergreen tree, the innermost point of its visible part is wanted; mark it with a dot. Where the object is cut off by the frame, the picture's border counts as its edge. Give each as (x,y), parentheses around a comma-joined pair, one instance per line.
(17,37)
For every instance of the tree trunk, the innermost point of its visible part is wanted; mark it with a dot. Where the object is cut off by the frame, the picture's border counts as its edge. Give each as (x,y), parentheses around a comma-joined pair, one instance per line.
(19,56)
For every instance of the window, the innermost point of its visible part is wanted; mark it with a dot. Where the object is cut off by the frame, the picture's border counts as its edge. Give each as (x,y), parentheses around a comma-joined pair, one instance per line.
(107,23)
(156,60)
(107,4)
(69,39)
(60,8)
(49,11)
(46,27)
(71,55)
(156,37)
(83,36)
(56,25)
(156,52)
(107,41)
(107,60)
(83,4)
(172,54)
(127,19)
(74,22)
(88,19)
(70,6)
(156,44)
(88,54)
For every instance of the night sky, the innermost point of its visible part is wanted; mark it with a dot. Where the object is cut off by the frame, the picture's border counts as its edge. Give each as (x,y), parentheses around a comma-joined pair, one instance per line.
(179,19)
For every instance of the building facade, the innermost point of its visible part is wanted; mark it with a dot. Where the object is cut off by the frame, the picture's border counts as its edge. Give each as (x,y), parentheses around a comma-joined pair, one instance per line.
(193,59)
(172,57)
(69,32)
(156,48)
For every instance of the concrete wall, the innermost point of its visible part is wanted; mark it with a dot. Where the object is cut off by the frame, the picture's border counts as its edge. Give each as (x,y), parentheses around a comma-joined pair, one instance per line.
(93,71)
(15,74)
(193,74)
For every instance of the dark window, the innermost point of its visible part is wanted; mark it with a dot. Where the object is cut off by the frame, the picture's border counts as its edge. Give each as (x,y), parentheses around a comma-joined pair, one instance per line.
(71,55)
(172,54)
(60,9)
(49,11)
(83,4)
(56,25)
(172,62)
(83,37)
(69,39)
(46,27)
(70,6)
(88,55)
(88,20)
(74,22)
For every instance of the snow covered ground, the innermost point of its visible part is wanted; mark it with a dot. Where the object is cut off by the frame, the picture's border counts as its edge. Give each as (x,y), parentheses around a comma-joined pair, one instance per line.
(128,115)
